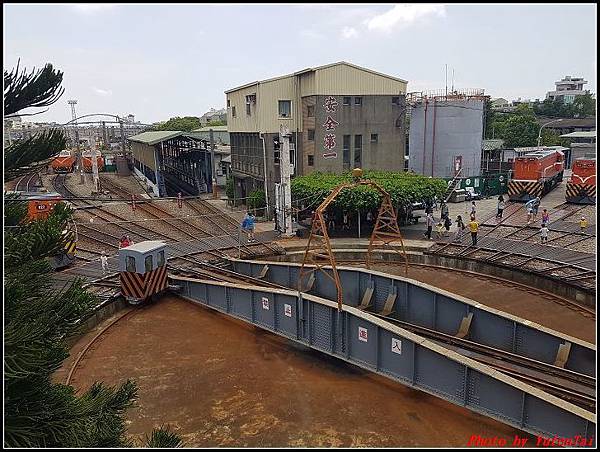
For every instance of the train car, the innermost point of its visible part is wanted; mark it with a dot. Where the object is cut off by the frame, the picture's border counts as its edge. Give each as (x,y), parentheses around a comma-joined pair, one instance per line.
(86,161)
(581,186)
(143,271)
(64,163)
(535,174)
(39,206)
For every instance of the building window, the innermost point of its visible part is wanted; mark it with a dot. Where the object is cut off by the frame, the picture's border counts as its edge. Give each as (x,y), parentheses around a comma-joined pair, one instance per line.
(347,100)
(311,134)
(130,264)
(346,151)
(233,111)
(285,108)
(395,100)
(358,101)
(228,103)
(374,138)
(311,160)
(310,111)
(357,151)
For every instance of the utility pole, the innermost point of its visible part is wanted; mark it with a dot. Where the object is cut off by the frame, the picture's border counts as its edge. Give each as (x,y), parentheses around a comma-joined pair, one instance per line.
(285,169)
(212,164)
(122,136)
(72,103)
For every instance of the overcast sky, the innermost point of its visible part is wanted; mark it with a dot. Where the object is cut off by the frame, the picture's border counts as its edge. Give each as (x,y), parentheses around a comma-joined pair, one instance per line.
(158,61)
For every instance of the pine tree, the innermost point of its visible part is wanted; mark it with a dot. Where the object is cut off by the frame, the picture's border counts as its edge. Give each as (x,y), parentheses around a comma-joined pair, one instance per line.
(37,318)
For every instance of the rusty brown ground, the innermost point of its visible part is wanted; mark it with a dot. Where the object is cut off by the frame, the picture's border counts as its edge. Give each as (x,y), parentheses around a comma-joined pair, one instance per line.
(515,299)
(220,382)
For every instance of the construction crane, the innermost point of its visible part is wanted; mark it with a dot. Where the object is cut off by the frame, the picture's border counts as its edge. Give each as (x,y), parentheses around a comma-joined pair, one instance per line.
(318,249)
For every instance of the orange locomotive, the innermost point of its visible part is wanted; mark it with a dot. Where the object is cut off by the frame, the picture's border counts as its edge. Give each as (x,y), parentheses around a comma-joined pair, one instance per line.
(86,161)
(535,174)
(581,187)
(64,163)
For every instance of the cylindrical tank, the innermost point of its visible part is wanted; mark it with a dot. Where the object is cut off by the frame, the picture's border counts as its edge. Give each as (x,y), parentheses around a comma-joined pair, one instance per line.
(445,134)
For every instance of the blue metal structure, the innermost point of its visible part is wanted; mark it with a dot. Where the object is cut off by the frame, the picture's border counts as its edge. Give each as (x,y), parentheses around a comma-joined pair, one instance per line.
(374,344)
(430,307)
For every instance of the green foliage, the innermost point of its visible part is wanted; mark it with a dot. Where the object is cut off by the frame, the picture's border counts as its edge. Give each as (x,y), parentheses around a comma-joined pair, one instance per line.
(40,88)
(230,188)
(184,124)
(582,107)
(163,438)
(519,129)
(550,138)
(24,156)
(402,187)
(257,200)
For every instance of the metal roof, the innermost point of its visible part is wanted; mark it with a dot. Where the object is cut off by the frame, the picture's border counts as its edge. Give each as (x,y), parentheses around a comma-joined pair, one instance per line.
(312,69)
(151,138)
(214,128)
(591,134)
(144,247)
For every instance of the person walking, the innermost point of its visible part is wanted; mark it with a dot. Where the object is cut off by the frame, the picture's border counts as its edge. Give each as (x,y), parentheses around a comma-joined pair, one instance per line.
(545,216)
(248,226)
(124,243)
(583,224)
(429,222)
(447,224)
(532,206)
(473,209)
(440,230)
(473,227)
(346,225)
(544,233)
(444,210)
(501,206)
(460,227)
(536,206)
(104,263)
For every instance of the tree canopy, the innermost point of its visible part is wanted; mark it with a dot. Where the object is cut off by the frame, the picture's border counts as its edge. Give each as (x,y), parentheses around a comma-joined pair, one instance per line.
(583,106)
(184,124)
(402,187)
(38,318)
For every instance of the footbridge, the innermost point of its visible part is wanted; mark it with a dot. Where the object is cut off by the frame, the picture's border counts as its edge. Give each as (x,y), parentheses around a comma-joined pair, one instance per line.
(493,363)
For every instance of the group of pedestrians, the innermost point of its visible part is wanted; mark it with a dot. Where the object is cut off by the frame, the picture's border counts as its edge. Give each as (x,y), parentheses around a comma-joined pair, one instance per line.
(443,226)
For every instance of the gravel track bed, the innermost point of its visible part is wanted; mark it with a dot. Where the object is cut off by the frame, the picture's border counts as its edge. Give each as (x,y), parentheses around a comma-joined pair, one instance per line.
(481,254)
(110,228)
(202,226)
(585,246)
(83,253)
(127,184)
(567,271)
(512,260)
(153,229)
(215,221)
(589,212)
(179,225)
(538,265)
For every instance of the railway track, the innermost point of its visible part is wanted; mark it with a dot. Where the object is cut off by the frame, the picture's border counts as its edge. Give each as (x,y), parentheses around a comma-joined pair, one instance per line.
(26,183)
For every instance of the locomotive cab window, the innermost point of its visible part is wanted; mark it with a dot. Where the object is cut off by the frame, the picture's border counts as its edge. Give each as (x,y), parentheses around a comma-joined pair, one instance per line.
(148,263)
(160,261)
(131,264)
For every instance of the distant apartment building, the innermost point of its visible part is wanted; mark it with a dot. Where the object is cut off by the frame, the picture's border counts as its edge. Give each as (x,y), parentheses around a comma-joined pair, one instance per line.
(340,115)
(213,115)
(568,89)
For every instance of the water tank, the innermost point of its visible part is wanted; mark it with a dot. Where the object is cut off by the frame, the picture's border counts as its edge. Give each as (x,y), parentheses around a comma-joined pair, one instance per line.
(445,135)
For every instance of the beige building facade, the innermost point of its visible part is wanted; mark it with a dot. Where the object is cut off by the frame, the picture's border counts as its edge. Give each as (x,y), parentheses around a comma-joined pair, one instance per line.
(340,116)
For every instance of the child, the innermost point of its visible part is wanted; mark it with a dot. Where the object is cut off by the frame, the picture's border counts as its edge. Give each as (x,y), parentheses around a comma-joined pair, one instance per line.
(460,227)
(440,229)
(104,262)
(583,223)
(544,233)
(545,216)
(447,224)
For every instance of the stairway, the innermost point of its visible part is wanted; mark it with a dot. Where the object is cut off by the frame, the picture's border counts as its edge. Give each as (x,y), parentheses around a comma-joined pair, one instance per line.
(453,185)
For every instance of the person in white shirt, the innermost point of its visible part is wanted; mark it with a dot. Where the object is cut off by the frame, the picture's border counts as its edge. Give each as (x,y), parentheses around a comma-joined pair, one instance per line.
(544,233)
(104,262)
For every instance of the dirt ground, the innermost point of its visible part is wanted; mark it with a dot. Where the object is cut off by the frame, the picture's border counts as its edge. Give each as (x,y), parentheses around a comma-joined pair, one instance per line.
(512,299)
(220,382)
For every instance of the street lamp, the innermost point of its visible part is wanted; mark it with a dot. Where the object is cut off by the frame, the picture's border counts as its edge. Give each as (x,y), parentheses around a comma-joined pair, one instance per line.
(540,134)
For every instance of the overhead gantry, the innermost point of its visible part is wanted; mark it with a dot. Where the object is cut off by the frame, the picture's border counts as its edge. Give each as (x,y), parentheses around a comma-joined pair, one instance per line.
(318,249)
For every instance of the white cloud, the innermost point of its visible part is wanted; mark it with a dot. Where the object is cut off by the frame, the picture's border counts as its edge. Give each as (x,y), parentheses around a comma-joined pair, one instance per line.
(312,34)
(92,8)
(349,32)
(102,92)
(402,15)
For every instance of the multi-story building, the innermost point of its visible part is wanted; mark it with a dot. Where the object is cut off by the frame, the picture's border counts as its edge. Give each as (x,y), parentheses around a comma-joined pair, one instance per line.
(213,115)
(340,115)
(568,89)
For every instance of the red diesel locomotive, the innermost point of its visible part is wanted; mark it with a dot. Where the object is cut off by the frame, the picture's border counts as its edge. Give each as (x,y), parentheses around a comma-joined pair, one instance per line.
(536,174)
(581,186)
